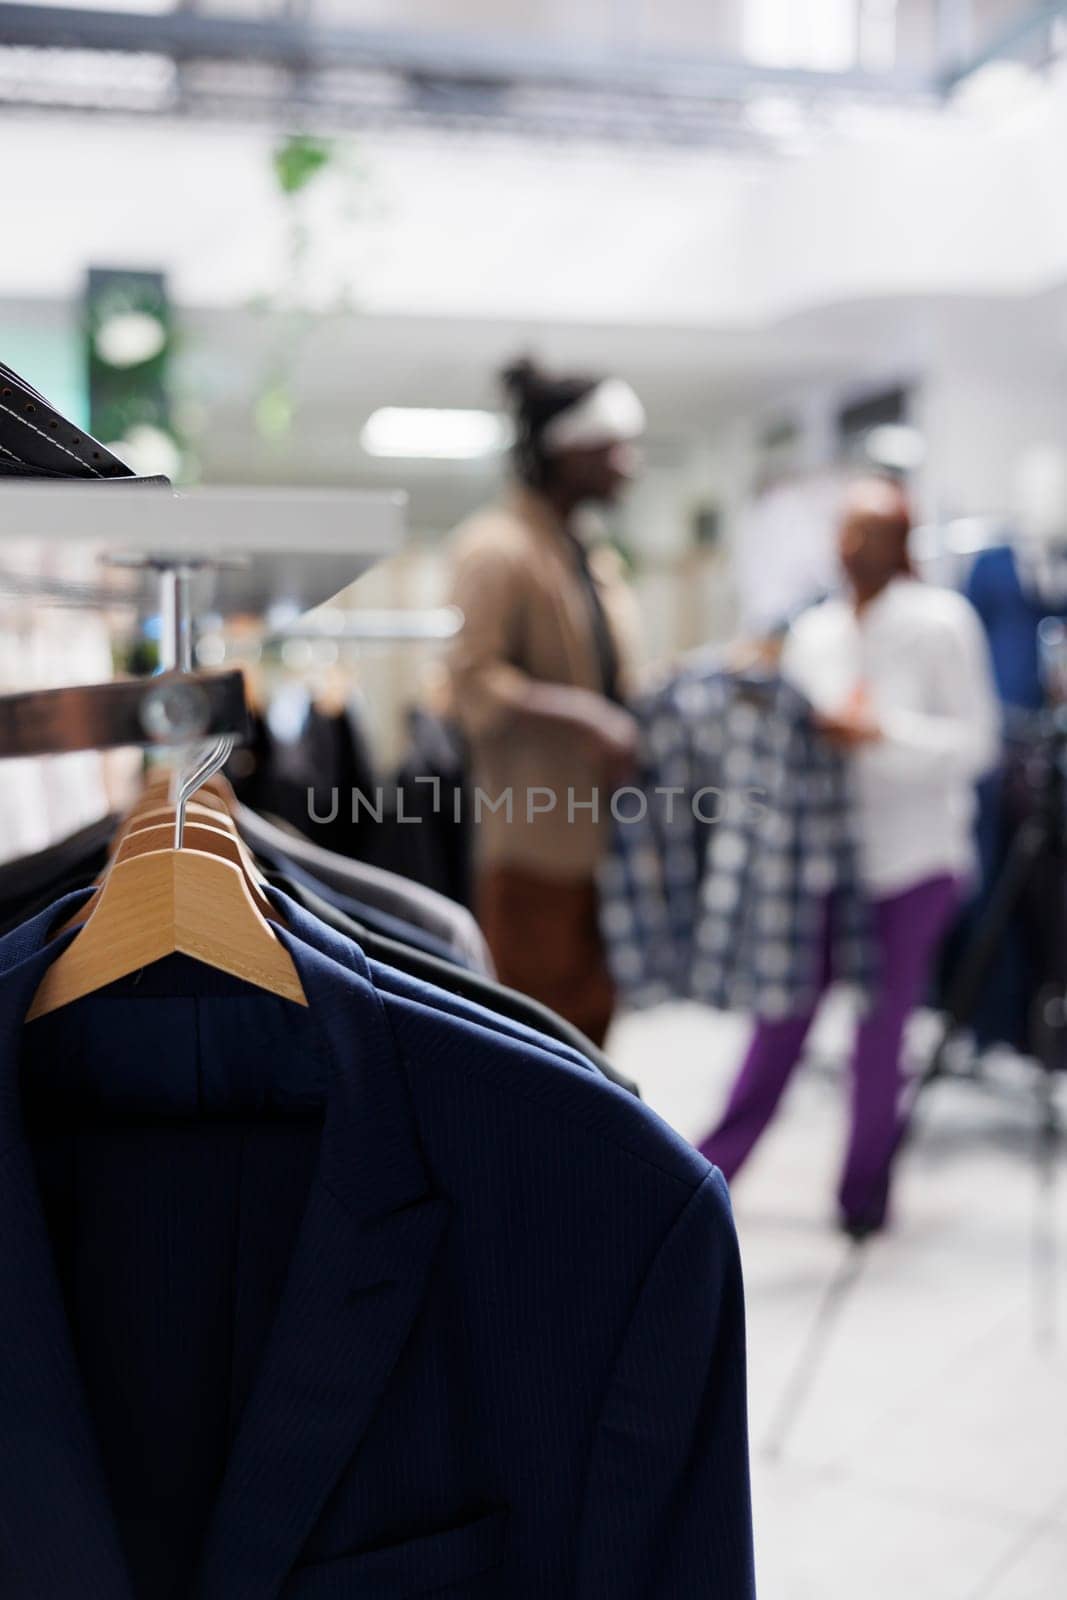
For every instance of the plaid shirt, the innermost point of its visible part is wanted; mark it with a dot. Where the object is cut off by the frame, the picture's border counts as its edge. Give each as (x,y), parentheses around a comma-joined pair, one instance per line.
(715,886)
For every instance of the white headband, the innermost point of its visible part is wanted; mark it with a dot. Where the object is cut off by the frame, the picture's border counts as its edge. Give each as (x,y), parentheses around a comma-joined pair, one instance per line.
(609,414)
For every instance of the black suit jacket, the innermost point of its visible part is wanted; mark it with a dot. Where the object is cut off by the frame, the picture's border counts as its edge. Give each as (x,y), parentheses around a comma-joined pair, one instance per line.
(482,1337)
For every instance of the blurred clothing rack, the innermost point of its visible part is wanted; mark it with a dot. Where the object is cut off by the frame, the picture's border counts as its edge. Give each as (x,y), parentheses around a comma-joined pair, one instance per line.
(417,625)
(231,547)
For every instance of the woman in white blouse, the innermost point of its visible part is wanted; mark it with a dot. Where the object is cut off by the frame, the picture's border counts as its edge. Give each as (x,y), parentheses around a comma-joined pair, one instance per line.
(898,674)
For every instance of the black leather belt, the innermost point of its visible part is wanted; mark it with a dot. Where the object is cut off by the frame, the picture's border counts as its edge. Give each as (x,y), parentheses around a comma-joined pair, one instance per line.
(37,441)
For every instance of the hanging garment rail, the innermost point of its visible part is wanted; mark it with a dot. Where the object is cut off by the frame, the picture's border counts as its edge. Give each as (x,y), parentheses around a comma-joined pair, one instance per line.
(173,709)
(270,554)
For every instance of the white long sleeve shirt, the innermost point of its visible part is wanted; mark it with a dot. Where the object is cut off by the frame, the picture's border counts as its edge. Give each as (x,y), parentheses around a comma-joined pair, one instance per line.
(921,656)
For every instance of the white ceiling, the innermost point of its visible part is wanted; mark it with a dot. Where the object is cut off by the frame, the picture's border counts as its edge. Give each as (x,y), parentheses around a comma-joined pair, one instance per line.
(472,227)
(717,30)
(719,286)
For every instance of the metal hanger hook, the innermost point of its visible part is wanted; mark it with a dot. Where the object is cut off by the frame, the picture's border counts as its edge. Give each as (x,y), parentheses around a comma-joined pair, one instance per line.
(213,760)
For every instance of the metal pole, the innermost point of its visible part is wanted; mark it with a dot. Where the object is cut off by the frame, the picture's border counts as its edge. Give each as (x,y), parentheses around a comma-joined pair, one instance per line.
(176,655)
(176,641)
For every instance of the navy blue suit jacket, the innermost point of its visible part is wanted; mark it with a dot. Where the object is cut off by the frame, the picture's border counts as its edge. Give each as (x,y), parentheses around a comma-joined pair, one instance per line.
(400,1304)
(1010,616)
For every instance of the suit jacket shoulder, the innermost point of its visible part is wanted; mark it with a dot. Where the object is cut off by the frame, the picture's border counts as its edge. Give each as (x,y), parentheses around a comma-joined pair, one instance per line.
(551,1099)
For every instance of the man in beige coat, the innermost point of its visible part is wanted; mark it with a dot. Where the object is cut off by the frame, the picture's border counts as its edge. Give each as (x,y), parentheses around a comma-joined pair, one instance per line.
(540,674)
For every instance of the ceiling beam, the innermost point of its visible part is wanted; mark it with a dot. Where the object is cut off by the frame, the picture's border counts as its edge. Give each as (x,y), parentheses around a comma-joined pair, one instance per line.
(287,41)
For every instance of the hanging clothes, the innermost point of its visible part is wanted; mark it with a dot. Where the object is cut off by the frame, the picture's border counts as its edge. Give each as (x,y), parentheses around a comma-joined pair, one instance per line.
(410,927)
(516,1012)
(370,1296)
(425,833)
(786,841)
(714,889)
(353,886)
(1012,594)
(217,1386)
(1006,590)
(650,880)
(310,766)
(31,882)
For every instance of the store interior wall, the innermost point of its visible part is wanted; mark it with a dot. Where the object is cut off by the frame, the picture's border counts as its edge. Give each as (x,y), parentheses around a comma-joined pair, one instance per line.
(903,248)
(984,379)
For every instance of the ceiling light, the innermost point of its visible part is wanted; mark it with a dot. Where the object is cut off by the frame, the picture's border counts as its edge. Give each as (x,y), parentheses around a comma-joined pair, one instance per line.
(432,435)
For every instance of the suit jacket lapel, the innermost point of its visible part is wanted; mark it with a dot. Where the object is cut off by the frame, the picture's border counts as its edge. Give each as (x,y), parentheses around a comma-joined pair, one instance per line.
(57,1532)
(354,1288)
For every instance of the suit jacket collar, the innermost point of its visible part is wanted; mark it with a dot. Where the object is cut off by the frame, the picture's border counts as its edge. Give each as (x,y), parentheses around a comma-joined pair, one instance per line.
(354,1287)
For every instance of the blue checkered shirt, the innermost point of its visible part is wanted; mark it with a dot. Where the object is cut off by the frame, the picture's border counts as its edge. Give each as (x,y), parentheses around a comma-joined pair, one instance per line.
(715,885)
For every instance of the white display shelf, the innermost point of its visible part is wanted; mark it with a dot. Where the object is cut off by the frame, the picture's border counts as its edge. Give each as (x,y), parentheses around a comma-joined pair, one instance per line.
(296,548)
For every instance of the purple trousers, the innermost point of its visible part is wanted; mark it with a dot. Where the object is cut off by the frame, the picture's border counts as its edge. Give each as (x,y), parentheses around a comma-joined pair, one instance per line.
(908,929)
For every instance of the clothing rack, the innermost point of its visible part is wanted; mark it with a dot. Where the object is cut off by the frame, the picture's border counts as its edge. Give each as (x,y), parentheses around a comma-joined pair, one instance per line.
(257,1152)
(171,709)
(102,546)
(416,625)
(230,549)
(208,900)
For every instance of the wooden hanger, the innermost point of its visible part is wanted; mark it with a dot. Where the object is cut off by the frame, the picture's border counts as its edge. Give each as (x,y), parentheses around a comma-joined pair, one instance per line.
(213,810)
(139,841)
(215,806)
(157,801)
(217,791)
(172,902)
(216,796)
(216,823)
(159,815)
(219,837)
(219,787)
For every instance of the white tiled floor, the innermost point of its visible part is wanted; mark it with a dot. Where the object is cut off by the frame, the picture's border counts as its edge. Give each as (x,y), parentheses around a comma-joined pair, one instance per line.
(924,1455)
